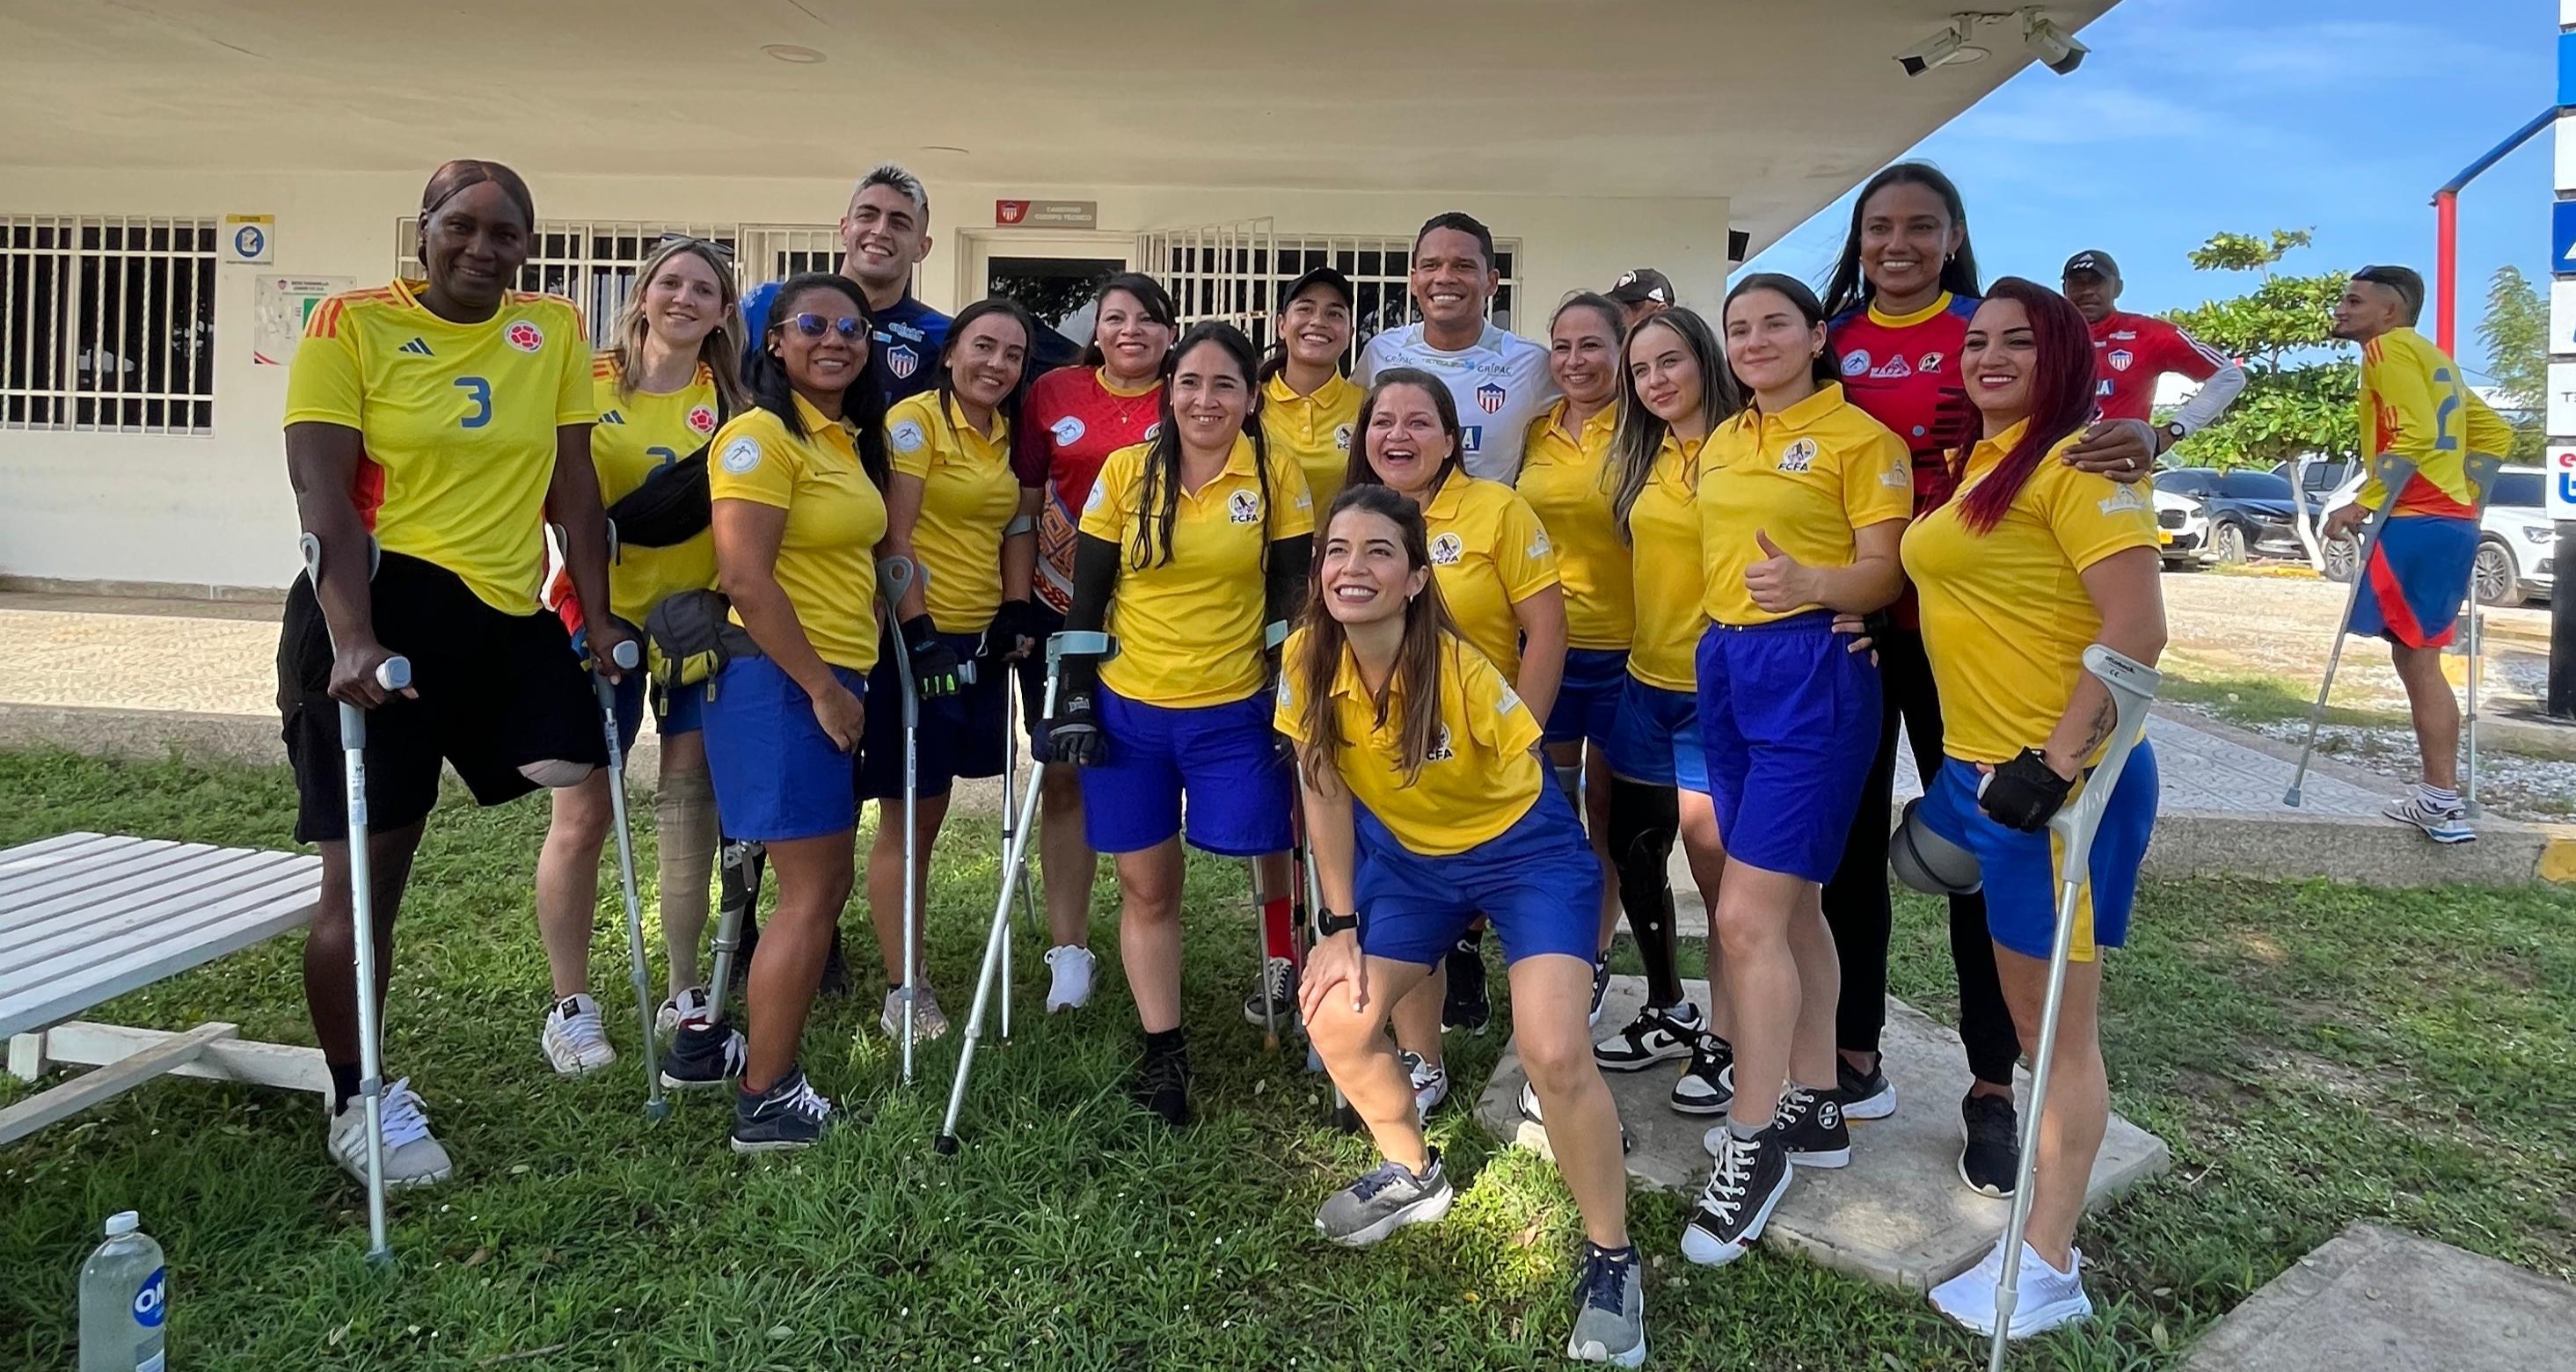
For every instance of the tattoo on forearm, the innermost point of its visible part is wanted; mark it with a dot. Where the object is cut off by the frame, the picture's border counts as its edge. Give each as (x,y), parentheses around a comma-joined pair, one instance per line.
(2105,719)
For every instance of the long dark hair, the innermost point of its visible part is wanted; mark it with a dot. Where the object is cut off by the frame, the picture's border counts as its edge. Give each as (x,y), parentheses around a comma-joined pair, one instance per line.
(1848,288)
(2061,398)
(863,404)
(1361,471)
(1821,368)
(1158,497)
(1640,435)
(1150,294)
(1009,408)
(1417,661)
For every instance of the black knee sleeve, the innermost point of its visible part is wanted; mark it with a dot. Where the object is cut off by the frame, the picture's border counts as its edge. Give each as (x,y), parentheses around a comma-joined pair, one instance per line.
(1643,823)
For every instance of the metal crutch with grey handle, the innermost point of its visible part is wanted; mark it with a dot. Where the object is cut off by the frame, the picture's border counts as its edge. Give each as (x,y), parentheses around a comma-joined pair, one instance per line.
(639,970)
(2392,473)
(894,579)
(2132,685)
(393,674)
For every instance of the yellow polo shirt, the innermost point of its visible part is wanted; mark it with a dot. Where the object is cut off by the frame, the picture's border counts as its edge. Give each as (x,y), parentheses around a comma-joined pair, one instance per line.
(638,435)
(1807,477)
(1489,553)
(1189,629)
(1481,776)
(1564,478)
(1313,429)
(835,518)
(968,496)
(1663,548)
(2006,618)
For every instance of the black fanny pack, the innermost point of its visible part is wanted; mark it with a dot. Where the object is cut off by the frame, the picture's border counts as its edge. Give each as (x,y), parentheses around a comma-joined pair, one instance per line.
(690,636)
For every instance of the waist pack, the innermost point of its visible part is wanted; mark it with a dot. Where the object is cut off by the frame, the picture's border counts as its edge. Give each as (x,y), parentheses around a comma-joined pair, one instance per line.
(690,636)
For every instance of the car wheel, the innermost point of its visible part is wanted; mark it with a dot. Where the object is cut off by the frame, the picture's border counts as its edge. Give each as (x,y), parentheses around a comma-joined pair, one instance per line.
(2495,576)
(2342,557)
(2227,543)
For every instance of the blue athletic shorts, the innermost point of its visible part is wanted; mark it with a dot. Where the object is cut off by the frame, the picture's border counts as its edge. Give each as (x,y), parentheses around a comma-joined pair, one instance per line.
(674,712)
(2021,870)
(776,774)
(960,735)
(1224,759)
(2418,575)
(1536,881)
(1789,722)
(1656,740)
(1587,701)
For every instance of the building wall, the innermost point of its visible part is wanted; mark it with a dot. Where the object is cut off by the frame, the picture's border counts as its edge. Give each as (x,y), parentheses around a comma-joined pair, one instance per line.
(214,510)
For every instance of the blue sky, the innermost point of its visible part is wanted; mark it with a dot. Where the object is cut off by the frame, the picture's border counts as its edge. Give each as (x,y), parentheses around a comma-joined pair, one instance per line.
(2195,116)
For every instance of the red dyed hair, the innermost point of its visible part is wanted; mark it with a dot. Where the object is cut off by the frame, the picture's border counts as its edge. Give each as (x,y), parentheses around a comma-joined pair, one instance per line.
(2061,398)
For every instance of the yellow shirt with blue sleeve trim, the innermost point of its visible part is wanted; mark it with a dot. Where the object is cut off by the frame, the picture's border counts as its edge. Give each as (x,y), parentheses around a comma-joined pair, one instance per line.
(459,424)
(827,560)
(1481,776)
(1663,548)
(1807,477)
(1189,628)
(1565,479)
(2415,403)
(1489,552)
(1313,429)
(968,496)
(2006,617)
(636,436)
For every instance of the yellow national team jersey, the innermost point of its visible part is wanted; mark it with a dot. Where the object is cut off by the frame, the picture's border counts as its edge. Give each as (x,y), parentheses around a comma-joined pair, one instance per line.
(1189,630)
(1565,481)
(2005,615)
(1313,429)
(638,435)
(1807,478)
(2415,404)
(835,519)
(1490,553)
(968,496)
(1663,544)
(1481,776)
(459,422)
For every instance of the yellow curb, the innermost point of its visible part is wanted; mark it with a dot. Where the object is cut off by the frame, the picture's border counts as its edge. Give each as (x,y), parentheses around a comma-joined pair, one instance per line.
(2558,856)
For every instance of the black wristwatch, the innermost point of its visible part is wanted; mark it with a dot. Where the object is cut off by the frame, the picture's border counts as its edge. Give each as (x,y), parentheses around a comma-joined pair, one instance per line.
(1330,924)
(2174,433)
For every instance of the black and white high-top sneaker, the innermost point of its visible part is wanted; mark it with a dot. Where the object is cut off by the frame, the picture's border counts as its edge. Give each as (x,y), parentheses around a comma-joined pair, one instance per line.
(1810,1126)
(1750,1177)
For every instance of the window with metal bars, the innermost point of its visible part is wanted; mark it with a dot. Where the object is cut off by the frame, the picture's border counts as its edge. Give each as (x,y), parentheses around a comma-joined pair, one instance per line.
(593,262)
(107,323)
(1235,272)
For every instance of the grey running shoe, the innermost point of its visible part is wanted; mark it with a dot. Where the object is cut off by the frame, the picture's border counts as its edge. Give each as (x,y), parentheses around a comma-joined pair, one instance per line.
(790,1115)
(1609,1309)
(1384,1201)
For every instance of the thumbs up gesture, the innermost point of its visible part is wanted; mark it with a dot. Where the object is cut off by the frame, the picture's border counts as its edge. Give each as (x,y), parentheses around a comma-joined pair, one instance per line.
(1779,583)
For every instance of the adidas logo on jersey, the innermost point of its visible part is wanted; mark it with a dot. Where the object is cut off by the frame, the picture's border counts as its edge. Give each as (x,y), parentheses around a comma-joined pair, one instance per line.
(611,417)
(418,347)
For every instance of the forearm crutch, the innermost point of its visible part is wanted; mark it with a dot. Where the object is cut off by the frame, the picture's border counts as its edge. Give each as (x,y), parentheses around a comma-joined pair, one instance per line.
(2481,469)
(1344,1118)
(1072,643)
(1012,825)
(2392,472)
(393,674)
(894,578)
(2132,685)
(638,969)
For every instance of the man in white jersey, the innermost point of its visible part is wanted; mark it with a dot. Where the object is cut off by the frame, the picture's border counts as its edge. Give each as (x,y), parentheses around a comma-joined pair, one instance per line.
(1499,380)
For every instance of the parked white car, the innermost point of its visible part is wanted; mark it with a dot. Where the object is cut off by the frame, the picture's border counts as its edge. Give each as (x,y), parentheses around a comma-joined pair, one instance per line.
(2515,545)
(2182,526)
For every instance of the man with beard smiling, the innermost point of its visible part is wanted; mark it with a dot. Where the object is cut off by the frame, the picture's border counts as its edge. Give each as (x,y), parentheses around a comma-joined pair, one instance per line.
(884,234)
(1499,379)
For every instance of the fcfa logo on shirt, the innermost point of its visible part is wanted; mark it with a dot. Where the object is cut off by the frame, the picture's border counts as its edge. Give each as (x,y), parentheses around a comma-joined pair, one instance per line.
(1798,456)
(1243,507)
(902,361)
(524,336)
(2121,358)
(1445,550)
(1490,398)
(1440,749)
(1342,438)
(702,420)
(1856,362)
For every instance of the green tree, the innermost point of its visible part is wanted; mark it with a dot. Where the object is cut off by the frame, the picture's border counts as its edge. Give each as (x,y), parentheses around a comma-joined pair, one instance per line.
(2516,334)
(2302,386)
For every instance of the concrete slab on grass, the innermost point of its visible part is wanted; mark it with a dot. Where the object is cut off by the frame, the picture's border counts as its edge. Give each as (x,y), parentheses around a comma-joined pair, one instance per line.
(2375,1298)
(1899,1214)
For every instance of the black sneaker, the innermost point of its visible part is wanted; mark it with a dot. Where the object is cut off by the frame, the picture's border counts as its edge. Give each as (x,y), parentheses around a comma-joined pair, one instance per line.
(702,1055)
(1748,1181)
(1657,1034)
(1707,1085)
(1810,1126)
(1467,1006)
(1863,1095)
(787,1116)
(836,970)
(1992,1152)
(1600,987)
(1162,1085)
(1279,988)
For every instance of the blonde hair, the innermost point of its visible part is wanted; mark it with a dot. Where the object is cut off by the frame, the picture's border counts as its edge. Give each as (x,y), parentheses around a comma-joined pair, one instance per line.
(720,352)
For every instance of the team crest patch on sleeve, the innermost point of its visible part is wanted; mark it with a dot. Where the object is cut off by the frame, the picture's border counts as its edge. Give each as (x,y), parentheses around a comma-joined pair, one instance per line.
(1066,431)
(741,455)
(1151,430)
(702,420)
(1508,701)
(901,361)
(1895,478)
(524,336)
(907,436)
(1539,546)
(1446,549)
(2123,500)
(1287,694)
(1490,397)
(1798,456)
(1243,507)
(1099,496)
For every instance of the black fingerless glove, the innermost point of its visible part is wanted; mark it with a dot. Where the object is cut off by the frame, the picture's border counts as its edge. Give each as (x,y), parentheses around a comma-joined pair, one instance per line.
(1013,620)
(2024,793)
(934,663)
(1074,735)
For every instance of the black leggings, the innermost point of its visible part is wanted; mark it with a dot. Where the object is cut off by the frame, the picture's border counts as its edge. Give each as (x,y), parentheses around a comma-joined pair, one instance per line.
(1856,900)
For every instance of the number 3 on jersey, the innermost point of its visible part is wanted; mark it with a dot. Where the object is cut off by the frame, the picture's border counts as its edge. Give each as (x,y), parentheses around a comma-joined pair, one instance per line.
(478,391)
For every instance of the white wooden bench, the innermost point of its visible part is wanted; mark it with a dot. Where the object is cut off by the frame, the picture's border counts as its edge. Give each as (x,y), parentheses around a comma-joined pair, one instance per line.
(85,918)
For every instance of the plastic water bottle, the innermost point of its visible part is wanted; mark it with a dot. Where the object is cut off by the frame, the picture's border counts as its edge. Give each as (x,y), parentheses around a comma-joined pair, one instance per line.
(124,1297)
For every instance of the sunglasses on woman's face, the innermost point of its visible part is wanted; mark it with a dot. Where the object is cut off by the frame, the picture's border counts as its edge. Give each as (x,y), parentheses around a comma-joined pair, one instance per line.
(849,327)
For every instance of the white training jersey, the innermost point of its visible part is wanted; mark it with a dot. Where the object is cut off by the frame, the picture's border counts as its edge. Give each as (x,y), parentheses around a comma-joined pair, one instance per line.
(1500,383)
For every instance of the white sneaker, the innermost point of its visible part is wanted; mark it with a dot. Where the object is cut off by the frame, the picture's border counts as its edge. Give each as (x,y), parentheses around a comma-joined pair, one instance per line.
(413,1155)
(688,1006)
(1069,987)
(927,1021)
(575,1041)
(2441,826)
(1430,1083)
(2047,1299)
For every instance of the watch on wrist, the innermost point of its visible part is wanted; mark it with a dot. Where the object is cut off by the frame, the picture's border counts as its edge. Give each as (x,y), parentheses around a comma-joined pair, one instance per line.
(1332,924)
(2173,431)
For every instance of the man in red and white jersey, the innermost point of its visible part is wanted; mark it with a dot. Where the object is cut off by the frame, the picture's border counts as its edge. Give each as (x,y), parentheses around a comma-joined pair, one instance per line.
(2131,351)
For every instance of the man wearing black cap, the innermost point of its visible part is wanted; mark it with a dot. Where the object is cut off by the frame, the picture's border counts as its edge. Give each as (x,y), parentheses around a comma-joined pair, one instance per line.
(2131,351)
(1642,291)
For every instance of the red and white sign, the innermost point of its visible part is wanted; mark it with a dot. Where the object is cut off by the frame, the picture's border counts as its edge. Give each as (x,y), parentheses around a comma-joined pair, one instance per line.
(2561,499)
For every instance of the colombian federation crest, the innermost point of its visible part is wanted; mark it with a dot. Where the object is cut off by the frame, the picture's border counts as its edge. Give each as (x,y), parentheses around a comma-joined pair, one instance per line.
(524,336)
(901,361)
(702,420)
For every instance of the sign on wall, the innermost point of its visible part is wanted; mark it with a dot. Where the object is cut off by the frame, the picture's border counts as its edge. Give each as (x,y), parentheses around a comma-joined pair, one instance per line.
(2562,483)
(1046,214)
(280,305)
(250,239)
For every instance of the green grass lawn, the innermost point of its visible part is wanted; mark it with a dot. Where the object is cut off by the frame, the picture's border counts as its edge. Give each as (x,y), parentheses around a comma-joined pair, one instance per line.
(2315,1055)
